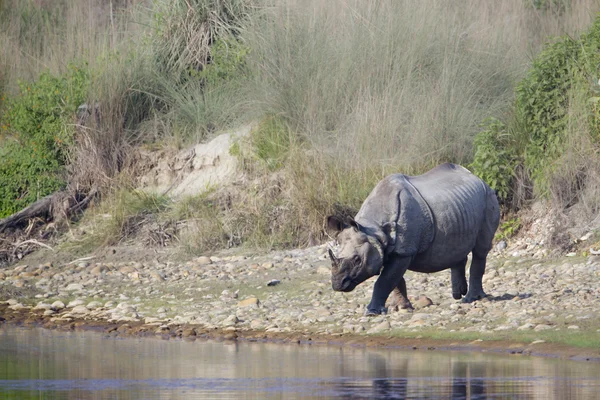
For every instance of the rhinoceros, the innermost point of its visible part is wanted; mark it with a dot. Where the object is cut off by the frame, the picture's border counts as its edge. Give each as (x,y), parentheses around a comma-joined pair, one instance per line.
(425,223)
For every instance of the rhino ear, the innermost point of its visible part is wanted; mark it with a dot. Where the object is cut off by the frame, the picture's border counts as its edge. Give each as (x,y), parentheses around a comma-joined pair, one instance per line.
(335,224)
(354,224)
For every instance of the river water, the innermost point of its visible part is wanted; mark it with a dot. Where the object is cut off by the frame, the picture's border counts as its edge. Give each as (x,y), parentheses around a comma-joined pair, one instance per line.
(42,364)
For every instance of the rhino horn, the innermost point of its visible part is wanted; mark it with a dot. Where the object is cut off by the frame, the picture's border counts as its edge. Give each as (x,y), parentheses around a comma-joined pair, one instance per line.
(334,260)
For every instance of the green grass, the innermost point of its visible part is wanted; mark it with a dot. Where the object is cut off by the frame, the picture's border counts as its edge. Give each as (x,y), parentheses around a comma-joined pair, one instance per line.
(587,338)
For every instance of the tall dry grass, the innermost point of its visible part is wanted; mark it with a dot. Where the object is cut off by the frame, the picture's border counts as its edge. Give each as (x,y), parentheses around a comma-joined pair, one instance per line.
(365,88)
(372,88)
(402,85)
(45,35)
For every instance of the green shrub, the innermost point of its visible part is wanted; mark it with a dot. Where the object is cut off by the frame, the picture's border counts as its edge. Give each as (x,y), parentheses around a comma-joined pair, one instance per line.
(228,62)
(494,160)
(37,134)
(553,129)
(271,142)
(543,99)
(508,229)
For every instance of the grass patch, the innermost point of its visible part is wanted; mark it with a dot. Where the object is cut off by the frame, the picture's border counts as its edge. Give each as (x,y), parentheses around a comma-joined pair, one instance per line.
(117,219)
(587,338)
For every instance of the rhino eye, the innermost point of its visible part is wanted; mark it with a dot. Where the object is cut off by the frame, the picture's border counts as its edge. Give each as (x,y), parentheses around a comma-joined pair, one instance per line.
(356,259)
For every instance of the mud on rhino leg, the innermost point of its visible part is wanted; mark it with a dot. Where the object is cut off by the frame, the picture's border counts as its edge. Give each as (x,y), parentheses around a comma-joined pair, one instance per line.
(459,281)
(399,298)
(390,278)
(475,280)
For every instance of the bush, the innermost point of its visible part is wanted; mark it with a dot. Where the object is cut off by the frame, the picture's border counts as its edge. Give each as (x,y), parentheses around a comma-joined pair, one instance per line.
(494,160)
(37,135)
(553,133)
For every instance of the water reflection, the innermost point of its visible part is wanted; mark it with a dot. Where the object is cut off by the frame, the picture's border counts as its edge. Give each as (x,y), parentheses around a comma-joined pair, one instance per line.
(47,365)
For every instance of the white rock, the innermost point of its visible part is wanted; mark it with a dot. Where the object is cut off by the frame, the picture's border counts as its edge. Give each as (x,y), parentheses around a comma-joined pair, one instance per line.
(72,287)
(75,303)
(58,305)
(382,326)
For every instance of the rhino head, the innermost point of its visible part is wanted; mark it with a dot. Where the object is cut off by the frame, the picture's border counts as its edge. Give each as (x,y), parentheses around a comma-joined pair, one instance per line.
(360,256)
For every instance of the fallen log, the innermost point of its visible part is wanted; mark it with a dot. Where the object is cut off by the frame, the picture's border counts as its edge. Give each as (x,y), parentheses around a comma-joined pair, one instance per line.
(39,209)
(45,209)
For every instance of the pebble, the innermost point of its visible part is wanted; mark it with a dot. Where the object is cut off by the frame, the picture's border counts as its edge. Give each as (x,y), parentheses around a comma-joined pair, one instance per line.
(72,287)
(252,301)
(75,303)
(204,292)
(381,327)
(58,305)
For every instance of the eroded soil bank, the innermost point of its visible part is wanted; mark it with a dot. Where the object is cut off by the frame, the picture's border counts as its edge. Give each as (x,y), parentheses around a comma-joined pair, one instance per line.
(535,306)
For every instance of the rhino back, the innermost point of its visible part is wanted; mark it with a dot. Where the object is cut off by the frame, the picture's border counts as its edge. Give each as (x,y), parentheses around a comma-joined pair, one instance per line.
(458,201)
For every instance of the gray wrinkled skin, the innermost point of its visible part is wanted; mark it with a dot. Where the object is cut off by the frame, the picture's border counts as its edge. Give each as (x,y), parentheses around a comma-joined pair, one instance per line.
(426,223)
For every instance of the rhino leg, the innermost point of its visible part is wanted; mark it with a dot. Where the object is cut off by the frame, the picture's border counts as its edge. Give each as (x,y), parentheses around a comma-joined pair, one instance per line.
(390,278)
(399,298)
(475,280)
(459,282)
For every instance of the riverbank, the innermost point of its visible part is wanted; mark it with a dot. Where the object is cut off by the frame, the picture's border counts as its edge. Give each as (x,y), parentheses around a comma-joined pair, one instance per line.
(535,306)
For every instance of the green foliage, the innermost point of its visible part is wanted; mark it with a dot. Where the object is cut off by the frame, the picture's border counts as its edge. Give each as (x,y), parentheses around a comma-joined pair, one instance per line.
(271,141)
(508,229)
(36,137)
(494,161)
(545,130)
(227,63)
(543,99)
(552,6)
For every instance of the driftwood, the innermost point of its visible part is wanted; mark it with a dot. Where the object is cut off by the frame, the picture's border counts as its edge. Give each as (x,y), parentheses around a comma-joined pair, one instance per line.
(45,209)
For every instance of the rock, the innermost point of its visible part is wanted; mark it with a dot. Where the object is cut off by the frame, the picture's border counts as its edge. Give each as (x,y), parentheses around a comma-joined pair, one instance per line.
(127,269)
(58,305)
(526,327)
(203,260)
(43,306)
(94,305)
(230,321)
(252,301)
(75,303)
(188,332)
(501,245)
(423,301)
(574,327)
(420,317)
(273,282)
(18,283)
(381,327)
(162,329)
(256,324)
(542,327)
(72,287)
(156,276)
(81,309)
(98,270)
(586,236)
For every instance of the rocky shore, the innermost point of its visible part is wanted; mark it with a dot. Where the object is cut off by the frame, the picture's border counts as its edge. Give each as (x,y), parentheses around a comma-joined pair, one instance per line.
(534,306)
